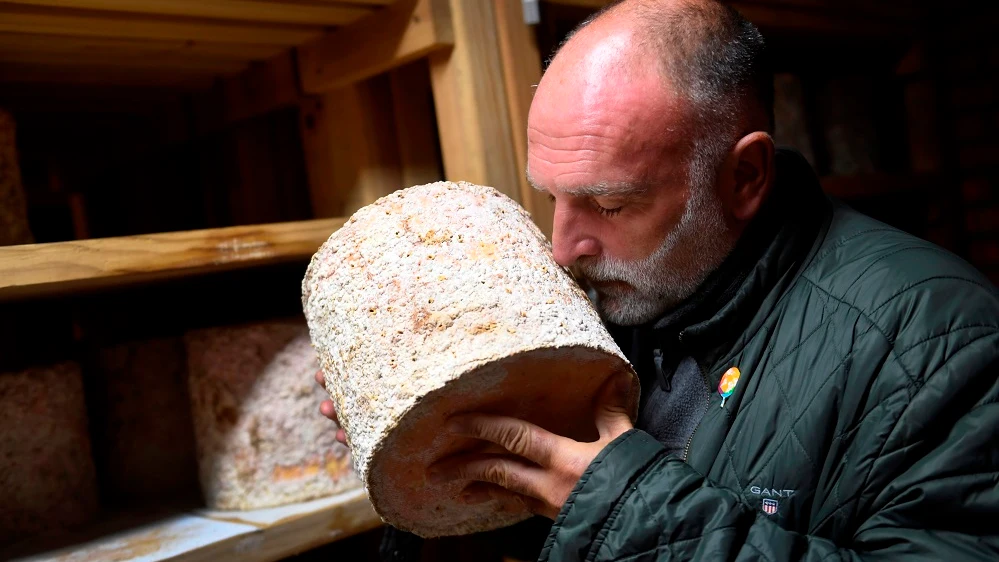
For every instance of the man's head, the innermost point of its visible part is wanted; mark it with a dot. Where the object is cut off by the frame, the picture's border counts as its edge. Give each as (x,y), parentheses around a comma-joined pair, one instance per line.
(650,131)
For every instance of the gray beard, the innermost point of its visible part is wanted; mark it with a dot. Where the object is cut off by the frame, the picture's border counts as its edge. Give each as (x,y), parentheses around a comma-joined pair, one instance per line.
(664,279)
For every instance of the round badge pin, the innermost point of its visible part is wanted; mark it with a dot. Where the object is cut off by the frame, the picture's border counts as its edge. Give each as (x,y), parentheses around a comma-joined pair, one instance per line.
(727,385)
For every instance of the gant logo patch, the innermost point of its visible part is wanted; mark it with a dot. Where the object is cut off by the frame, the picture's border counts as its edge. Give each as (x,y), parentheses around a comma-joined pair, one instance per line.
(770,492)
(770,506)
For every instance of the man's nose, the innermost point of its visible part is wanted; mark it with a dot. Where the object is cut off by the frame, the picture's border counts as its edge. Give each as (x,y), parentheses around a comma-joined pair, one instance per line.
(569,240)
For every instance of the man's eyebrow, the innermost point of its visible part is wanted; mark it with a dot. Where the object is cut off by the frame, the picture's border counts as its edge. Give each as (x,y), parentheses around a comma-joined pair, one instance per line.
(625,189)
(603,189)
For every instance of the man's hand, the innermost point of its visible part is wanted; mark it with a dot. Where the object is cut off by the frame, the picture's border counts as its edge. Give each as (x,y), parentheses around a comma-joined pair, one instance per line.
(326,408)
(544,467)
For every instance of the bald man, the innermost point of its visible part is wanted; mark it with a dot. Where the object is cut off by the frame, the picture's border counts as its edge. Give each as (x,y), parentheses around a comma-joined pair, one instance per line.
(815,384)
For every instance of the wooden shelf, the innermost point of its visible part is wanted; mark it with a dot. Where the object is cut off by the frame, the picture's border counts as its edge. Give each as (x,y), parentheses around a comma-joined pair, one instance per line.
(185,44)
(260,535)
(45,269)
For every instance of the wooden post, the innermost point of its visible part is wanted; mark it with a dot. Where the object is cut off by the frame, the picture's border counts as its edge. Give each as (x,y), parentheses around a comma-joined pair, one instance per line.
(416,131)
(482,89)
(470,97)
(521,72)
(351,151)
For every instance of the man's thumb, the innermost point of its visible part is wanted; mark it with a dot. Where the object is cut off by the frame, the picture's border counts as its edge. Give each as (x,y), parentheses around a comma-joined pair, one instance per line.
(617,399)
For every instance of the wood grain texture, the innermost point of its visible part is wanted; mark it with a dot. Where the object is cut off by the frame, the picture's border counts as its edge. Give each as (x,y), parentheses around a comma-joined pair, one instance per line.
(30,19)
(416,131)
(45,269)
(122,61)
(521,73)
(263,535)
(182,80)
(351,151)
(68,44)
(261,88)
(407,30)
(300,11)
(470,97)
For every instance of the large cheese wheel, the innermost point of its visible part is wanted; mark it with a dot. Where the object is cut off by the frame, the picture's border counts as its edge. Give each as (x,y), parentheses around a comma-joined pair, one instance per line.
(48,480)
(260,441)
(439,299)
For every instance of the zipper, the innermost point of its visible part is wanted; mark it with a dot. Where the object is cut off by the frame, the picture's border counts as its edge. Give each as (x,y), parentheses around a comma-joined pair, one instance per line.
(686,448)
(666,383)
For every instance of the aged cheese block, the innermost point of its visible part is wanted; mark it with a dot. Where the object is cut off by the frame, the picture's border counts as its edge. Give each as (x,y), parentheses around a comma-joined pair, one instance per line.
(260,439)
(13,206)
(146,458)
(47,475)
(439,299)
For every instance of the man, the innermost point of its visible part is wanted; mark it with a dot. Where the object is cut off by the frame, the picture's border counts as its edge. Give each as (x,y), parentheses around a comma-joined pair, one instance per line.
(815,384)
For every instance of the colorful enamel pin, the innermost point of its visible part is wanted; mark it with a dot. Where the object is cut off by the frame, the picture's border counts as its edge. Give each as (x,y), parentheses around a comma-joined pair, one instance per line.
(727,385)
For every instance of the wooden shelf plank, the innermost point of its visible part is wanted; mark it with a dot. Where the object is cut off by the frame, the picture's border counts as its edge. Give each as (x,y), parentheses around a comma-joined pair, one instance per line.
(166,61)
(63,44)
(28,19)
(261,535)
(45,269)
(176,80)
(292,11)
(407,30)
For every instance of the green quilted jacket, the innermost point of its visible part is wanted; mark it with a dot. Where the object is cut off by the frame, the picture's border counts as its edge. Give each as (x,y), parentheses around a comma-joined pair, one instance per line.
(865,424)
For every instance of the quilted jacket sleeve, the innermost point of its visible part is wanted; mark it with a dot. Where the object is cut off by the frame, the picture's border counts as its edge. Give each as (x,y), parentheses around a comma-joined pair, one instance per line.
(941,502)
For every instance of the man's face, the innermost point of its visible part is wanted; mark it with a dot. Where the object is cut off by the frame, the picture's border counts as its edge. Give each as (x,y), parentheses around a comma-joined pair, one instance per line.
(606,141)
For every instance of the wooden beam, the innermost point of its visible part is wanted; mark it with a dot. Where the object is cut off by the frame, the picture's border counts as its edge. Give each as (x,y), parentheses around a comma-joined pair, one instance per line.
(179,80)
(416,131)
(362,2)
(350,146)
(473,116)
(25,19)
(26,42)
(302,12)
(57,268)
(405,31)
(521,62)
(261,88)
(126,61)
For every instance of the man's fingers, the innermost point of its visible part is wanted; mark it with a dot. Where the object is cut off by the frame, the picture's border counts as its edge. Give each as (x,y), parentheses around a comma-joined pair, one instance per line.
(327,409)
(507,472)
(521,438)
(321,379)
(482,492)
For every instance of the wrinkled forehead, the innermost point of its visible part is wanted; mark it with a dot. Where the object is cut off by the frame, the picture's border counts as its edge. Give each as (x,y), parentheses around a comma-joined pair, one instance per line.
(606,134)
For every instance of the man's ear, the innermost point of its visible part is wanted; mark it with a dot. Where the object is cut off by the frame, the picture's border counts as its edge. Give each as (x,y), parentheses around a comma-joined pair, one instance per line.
(751,169)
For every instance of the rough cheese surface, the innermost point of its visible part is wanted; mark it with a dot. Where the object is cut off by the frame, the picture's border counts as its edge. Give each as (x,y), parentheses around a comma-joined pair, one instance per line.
(47,475)
(421,288)
(260,439)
